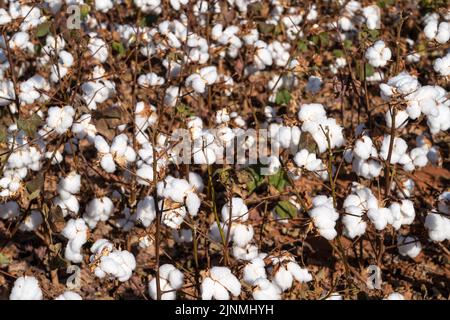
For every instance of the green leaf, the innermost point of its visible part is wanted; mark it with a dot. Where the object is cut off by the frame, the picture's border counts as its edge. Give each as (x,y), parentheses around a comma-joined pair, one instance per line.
(118,47)
(324,39)
(29,125)
(43,29)
(302,46)
(285,209)
(265,28)
(348,44)
(315,39)
(370,71)
(278,180)
(4,260)
(338,53)
(283,97)
(373,34)
(255,179)
(84,11)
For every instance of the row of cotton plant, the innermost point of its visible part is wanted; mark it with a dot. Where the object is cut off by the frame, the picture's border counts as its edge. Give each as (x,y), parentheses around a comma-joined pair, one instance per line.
(94,120)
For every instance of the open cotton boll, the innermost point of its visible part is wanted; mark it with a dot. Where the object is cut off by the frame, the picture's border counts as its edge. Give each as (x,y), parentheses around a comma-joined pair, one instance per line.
(219,284)
(378,54)
(150,79)
(379,217)
(403,84)
(443,32)
(408,246)
(171,279)
(266,290)
(399,149)
(98,48)
(444,203)
(196,181)
(98,209)
(373,17)
(32,221)
(173,213)
(146,211)
(241,234)
(442,65)
(438,227)
(395,296)
(235,210)
(254,270)
(69,295)
(76,232)
(60,119)
(363,147)
(193,203)
(246,253)
(314,84)
(26,288)
(401,119)
(111,262)
(107,163)
(262,56)
(71,183)
(103,5)
(324,217)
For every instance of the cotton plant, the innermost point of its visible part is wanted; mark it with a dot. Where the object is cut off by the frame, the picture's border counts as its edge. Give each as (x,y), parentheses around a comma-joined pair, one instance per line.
(379,54)
(98,89)
(219,284)
(60,119)
(205,76)
(364,158)
(170,280)
(106,261)
(435,29)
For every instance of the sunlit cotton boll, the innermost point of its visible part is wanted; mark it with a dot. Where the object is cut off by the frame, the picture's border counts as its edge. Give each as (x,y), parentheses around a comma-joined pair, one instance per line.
(98,209)
(171,279)
(442,65)
(220,284)
(60,119)
(266,290)
(26,288)
(254,270)
(235,210)
(32,221)
(378,55)
(408,246)
(146,211)
(76,232)
(69,295)
(438,227)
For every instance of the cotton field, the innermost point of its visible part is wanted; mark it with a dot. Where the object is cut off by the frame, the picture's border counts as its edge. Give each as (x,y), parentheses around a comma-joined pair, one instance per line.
(226,149)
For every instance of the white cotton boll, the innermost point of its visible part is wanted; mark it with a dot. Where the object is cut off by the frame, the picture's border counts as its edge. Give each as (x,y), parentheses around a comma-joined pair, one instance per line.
(173,215)
(373,17)
(150,79)
(98,209)
(204,155)
(408,246)
(32,221)
(283,278)
(379,217)
(354,226)
(431,27)
(107,163)
(254,270)
(266,290)
(196,181)
(146,211)
(144,174)
(324,217)
(5,18)
(192,203)
(442,65)
(71,183)
(103,5)
(300,274)
(220,282)
(76,232)
(236,210)
(399,148)
(401,119)
(301,158)
(408,212)
(378,54)
(69,295)
(262,57)
(443,33)
(242,234)
(60,119)
(246,253)
(26,288)
(395,296)
(438,227)
(363,147)
(98,49)
(419,157)
(444,203)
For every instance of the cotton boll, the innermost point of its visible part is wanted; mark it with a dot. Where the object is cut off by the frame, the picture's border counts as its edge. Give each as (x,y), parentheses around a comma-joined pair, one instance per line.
(192,203)
(379,217)
(373,17)
(300,274)
(401,119)
(26,288)
(173,214)
(220,282)
(107,163)
(236,210)
(246,253)
(311,112)
(443,33)
(196,181)
(444,203)
(71,183)
(254,270)
(9,210)
(378,54)
(438,227)
(395,296)
(69,295)
(76,232)
(171,279)
(408,246)
(146,211)
(442,65)
(32,221)
(98,49)
(60,119)
(266,290)
(98,209)
(144,174)
(324,217)
(363,147)
(314,84)
(283,278)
